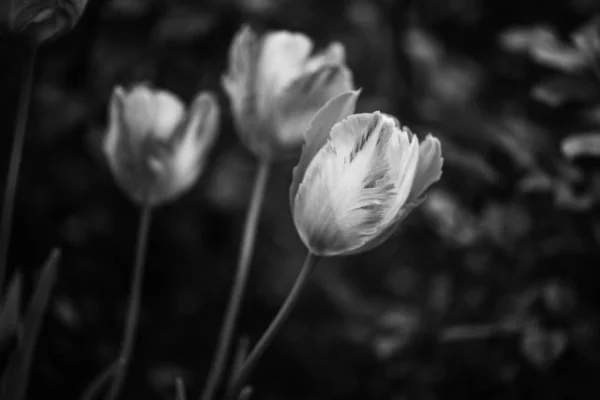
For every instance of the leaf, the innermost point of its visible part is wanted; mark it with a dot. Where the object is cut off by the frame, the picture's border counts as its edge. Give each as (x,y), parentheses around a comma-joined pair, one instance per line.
(9,313)
(16,379)
(180,388)
(558,90)
(553,53)
(470,162)
(520,39)
(246,393)
(542,347)
(581,144)
(587,39)
(183,25)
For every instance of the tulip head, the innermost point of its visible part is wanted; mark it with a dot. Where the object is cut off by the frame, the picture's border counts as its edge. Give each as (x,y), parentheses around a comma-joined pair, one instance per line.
(41,20)
(156,148)
(358,177)
(276,85)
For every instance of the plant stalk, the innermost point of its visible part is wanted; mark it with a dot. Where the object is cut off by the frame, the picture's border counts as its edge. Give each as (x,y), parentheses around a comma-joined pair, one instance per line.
(239,381)
(243,268)
(16,154)
(134,303)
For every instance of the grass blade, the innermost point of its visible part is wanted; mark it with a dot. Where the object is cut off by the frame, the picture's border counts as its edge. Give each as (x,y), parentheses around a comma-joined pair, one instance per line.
(17,376)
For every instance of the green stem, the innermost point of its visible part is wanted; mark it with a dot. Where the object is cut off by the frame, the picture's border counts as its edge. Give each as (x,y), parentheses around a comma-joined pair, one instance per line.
(240,379)
(237,293)
(134,303)
(16,153)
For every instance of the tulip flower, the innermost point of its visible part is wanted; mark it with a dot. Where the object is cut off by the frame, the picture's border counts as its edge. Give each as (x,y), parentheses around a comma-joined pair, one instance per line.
(276,85)
(156,149)
(358,177)
(41,20)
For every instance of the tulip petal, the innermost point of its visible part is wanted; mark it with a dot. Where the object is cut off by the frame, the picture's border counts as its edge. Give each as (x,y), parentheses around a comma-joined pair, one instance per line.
(282,59)
(139,111)
(170,112)
(115,107)
(334,54)
(343,198)
(429,169)
(199,135)
(402,154)
(239,81)
(304,97)
(317,134)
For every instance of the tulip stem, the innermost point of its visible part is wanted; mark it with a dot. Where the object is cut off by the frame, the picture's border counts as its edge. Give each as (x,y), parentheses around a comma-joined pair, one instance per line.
(98,383)
(16,153)
(239,381)
(241,277)
(133,310)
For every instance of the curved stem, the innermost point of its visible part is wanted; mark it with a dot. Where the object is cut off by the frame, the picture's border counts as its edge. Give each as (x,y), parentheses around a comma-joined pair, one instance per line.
(92,391)
(237,293)
(16,153)
(134,303)
(240,379)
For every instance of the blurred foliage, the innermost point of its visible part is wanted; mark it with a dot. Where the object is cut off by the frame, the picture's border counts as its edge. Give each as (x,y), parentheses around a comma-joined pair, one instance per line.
(490,290)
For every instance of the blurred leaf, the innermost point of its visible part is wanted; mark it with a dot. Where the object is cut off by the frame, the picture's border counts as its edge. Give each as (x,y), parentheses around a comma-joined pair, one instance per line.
(15,381)
(551,52)
(559,89)
(536,181)
(10,311)
(180,389)
(453,223)
(566,198)
(587,39)
(246,393)
(541,346)
(470,162)
(520,39)
(184,24)
(505,224)
(581,144)
(395,329)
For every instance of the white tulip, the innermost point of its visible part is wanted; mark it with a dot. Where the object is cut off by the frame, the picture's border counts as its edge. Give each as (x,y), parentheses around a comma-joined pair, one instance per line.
(359,176)
(155,148)
(275,86)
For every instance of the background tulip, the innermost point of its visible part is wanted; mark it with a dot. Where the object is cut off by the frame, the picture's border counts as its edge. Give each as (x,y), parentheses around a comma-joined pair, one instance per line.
(276,85)
(41,20)
(155,148)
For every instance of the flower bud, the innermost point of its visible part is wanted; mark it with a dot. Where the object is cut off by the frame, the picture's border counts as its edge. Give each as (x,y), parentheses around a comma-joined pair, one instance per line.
(155,149)
(276,85)
(358,177)
(41,20)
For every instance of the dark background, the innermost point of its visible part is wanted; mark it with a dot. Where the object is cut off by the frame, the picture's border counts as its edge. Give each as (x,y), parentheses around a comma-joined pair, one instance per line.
(489,290)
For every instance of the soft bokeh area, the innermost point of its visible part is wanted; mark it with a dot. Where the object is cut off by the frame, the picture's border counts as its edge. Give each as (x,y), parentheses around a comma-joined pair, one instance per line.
(490,289)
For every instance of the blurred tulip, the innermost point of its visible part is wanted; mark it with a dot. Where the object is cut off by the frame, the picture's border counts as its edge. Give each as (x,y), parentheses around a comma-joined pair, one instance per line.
(155,149)
(41,20)
(276,86)
(358,177)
